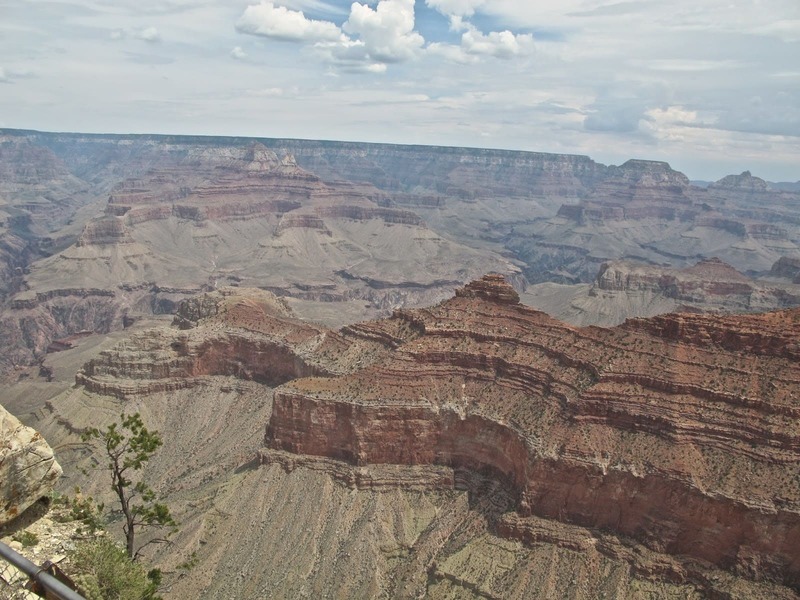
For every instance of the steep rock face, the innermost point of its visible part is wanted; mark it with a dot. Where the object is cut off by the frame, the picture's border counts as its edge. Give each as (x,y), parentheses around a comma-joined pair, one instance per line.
(34,321)
(36,182)
(107,231)
(644,210)
(677,432)
(28,469)
(482,198)
(37,196)
(448,172)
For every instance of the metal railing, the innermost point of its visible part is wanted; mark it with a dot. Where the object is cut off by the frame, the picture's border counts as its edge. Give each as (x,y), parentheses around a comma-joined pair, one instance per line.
(51,585)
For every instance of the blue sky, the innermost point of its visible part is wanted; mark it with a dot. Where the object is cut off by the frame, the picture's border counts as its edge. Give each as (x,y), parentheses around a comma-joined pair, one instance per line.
(712,86)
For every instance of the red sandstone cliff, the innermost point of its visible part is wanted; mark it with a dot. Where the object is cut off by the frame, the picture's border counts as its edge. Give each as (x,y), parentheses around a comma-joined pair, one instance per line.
(680,432)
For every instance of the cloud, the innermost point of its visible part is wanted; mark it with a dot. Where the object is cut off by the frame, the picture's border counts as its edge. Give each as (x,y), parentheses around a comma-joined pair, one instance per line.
(459,8)
(315,5)
(238,53)
(501,44)
(618,111)
(280,23)
(474,44)
(368,40)
(149,34)
(387,32)
(11,75)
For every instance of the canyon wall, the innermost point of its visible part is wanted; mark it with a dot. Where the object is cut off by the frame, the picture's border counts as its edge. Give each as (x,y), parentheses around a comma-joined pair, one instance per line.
(665,431)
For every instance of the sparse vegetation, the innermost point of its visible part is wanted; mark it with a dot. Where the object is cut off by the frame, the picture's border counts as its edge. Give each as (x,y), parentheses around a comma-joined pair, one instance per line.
(79,508)
(103,571)
(26,538)
(129,445)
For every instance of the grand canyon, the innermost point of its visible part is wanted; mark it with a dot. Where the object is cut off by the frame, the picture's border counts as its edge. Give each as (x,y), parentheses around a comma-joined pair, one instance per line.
(389,371)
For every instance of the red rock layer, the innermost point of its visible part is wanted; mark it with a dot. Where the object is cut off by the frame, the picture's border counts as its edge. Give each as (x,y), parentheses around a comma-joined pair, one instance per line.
(249,334)
(680,431)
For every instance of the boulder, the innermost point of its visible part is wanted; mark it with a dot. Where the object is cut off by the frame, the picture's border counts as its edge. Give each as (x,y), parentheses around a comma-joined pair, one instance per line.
(28,468)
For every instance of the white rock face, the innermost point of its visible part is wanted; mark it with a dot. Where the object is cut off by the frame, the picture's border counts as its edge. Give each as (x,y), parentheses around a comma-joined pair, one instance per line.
(28,469)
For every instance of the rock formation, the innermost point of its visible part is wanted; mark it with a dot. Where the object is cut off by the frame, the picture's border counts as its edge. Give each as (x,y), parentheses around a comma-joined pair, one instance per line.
(209,215)
(788,268)
(676,432)
(664,447)
(625,289)
(28,469)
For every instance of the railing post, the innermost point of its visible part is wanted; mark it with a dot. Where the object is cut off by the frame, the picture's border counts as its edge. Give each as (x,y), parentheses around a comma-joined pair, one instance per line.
(39,575)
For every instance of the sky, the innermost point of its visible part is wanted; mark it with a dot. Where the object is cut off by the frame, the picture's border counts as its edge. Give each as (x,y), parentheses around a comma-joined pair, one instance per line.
(711,86)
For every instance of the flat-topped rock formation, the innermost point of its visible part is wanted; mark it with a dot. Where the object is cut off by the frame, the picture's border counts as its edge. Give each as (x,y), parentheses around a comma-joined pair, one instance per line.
(710,285)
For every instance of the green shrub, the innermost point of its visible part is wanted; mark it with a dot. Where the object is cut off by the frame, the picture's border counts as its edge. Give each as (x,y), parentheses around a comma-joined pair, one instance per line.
(81,508)
(102,570)
(26,538)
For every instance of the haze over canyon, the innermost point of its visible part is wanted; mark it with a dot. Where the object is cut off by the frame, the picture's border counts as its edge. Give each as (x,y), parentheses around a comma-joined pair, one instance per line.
(395,371)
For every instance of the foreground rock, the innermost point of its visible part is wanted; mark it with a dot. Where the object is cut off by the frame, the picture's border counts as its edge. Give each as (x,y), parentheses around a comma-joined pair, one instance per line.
(28,469)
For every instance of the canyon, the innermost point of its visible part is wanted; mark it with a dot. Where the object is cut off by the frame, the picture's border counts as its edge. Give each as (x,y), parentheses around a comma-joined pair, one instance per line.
(97,231)
(407,456)
(352,407)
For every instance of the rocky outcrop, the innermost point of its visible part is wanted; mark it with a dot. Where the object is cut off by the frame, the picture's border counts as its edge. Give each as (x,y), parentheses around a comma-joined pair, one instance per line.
(710,285)
(28,469)
(246,333)
(35,321)
(104,231)
(744,182)
(788,268)
(677,432)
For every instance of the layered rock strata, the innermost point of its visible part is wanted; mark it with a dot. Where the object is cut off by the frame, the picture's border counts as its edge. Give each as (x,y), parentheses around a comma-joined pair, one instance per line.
(707,286)
(680,432)
(248,334)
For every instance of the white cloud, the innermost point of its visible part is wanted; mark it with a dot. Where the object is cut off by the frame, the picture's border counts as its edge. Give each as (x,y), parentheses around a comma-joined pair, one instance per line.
(787,30)
(459,8)
(451,53)
(501,44)
(267,92)
(238,53)
(368,40)
(277,22)
(10,75)
(149,34)
(386,31)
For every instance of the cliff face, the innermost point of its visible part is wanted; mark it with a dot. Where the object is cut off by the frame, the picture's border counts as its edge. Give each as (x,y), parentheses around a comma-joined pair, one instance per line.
(191,216)
(251,336)
(644,210)
(676,432)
